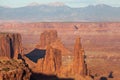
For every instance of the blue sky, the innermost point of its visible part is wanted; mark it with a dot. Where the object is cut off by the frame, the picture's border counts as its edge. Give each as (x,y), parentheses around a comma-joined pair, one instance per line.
(72,3)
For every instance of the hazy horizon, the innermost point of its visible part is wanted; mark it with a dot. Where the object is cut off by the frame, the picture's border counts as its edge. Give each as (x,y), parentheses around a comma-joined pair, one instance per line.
(70,3)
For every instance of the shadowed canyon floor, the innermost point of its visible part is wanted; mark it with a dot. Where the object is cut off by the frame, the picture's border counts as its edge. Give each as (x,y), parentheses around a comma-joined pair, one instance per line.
(101,42)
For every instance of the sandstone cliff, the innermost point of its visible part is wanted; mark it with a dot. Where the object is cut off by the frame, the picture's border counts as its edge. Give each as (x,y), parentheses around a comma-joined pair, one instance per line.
(46,38)
(51,63)
(10,45)
(79,65)
(60,46)
(50,37)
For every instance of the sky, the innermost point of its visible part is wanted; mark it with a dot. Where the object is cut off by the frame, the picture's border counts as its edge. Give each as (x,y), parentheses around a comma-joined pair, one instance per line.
(71,3)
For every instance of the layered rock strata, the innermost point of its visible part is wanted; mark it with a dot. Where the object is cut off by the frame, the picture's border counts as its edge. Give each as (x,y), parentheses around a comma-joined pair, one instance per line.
(46,38)
(50,37)
(79,64)
(51,63)
(10,45)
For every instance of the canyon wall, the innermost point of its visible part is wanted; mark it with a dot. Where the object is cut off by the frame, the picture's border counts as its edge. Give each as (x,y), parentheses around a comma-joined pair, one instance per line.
(50,37)
(10,45)
(47,37)
(11,67)
(51,63)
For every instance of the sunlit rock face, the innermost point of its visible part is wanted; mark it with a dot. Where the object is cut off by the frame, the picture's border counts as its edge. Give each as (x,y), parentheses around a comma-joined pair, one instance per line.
(47,37)
(79,64)
(51,63)
(10,45)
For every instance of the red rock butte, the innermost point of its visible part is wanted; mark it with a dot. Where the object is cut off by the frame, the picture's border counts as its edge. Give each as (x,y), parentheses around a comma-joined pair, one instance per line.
(50,37)
(52,62)
(47,37)
(10,45)
(12,68)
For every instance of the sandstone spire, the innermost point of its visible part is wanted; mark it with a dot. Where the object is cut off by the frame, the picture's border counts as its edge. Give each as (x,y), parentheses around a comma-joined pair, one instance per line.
(52,61)
(79,65)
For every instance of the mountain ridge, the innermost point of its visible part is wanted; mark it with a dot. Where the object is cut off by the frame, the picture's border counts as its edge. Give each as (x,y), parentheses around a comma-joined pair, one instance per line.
(51,13)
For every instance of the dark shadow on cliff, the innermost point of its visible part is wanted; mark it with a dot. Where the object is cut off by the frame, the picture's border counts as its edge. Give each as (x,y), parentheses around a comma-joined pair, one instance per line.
(36,54)
(11,49)
(39,76)
(103,78)
(92,76)
(20,57)
(110,75)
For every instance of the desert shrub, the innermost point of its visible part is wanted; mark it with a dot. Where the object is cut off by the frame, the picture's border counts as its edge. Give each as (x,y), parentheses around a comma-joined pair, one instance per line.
(14,60)
(5,69)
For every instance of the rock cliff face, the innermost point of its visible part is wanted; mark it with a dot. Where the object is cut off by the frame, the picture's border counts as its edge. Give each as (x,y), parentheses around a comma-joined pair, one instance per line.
(10,45)
(51,63)
(79,65)
(49,37)
(59,45)
(4,46)
(14,70)
(46,38)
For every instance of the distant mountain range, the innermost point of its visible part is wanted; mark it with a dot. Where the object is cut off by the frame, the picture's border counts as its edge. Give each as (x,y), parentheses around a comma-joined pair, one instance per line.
(54,13)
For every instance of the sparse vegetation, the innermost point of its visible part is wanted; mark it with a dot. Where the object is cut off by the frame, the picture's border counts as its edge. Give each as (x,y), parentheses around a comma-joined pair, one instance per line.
(5,69)
(12,69)
(7,65)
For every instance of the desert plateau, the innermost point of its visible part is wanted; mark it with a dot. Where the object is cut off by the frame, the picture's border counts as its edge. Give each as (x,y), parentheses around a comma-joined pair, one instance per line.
(59,50)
